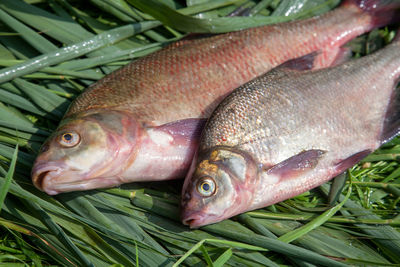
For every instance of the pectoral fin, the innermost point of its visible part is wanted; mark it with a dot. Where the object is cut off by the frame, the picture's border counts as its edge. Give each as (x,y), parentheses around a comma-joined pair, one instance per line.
(302,63)
(296,165)
(189,129)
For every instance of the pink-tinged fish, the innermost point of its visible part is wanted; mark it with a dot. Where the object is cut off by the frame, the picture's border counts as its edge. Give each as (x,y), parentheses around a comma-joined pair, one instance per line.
(142,122)
(289,131)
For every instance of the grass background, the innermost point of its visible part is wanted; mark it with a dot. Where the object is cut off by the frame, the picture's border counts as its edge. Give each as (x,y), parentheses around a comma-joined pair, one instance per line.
(52,50)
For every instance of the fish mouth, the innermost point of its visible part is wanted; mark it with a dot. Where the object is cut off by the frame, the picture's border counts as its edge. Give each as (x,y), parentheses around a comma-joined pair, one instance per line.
(197,219)
(54,180)
(42,176)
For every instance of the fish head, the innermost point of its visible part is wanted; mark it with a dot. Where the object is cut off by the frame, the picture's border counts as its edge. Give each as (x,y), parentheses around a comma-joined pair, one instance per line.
(84,152)
(220,184)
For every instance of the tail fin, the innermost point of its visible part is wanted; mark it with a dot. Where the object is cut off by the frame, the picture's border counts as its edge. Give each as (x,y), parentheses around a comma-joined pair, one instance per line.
(383,11)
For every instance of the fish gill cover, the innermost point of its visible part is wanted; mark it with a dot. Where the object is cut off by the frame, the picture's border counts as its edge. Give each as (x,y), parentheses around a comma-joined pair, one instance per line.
(52,50)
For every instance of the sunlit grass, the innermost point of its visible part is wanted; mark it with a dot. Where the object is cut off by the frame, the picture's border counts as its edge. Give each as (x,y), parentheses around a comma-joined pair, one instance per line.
(52,50)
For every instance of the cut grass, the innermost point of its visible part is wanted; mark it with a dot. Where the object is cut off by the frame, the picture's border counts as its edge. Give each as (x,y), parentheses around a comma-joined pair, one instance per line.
(52,50)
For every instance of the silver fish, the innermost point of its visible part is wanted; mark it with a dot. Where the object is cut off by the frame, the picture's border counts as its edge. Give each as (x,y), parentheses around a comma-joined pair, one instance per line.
(289,131)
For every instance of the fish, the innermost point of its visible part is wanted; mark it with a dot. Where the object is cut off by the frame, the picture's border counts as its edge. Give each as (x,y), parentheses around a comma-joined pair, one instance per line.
(287,132)
(143,122)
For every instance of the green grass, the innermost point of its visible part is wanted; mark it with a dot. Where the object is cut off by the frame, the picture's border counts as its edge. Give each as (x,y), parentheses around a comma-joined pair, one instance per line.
(52,50)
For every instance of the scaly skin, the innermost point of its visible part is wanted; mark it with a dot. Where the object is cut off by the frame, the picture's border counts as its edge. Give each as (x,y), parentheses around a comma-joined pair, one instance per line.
(288,131)
(189,78)
(184,81)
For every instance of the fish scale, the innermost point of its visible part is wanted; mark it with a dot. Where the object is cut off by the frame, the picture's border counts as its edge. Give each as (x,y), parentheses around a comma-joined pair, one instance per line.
(289,131)
(292,94)
(143,122)
(188,71)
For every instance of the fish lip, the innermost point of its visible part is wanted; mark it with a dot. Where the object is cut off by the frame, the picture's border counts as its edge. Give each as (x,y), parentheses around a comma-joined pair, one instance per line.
(45,180)
(42,175)
(45,177)
(198,218)
(193,221)
(87,184)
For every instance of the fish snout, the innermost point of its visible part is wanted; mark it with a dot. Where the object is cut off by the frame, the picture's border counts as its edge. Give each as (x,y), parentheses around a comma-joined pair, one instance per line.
(193,219)
(42,176)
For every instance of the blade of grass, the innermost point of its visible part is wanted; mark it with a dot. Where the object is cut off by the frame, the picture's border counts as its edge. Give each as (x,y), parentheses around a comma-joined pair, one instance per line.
(308,217)
(57,231)
(259,6)
(20,126)
(337,187)
(375,184)
(113,253)
(18,47)
(155,258)
(122,10)
(22,230)
(387,238)
(8,178)
(203,7)
(124,219)
(176,233)
(330,240)
(257,240)
(206,256)
(73,51)
(185,23)
(48,101)
(86,209)
(260,229)
(55,70)
(293,235)
(86,63)
(34,39)
(52,25)
(20,102)
(12,114)
(225,242)
(223,258)
(23,157)
(274,245)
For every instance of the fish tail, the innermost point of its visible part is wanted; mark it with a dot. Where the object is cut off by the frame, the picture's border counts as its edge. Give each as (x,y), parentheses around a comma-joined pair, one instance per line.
(383,12)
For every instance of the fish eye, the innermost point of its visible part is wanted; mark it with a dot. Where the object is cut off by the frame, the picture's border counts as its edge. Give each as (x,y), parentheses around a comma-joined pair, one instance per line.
(69,139)
(206,186)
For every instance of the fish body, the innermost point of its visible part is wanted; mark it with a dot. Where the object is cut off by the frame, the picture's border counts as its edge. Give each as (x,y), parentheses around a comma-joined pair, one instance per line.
(165,97)
(289,131)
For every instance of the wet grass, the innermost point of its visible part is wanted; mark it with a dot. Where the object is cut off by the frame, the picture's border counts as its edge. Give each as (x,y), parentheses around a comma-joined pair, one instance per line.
(52,50)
